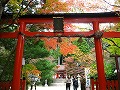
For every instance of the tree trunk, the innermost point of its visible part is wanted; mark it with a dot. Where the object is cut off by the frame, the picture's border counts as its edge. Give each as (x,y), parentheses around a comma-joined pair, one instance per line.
(1,9)
(2,5)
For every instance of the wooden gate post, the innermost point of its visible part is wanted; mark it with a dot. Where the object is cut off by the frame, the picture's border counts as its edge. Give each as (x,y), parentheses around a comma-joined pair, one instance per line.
(99,59)
(18,58)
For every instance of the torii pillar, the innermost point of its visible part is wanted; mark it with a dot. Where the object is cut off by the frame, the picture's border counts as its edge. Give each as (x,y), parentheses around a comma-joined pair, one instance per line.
(18,58)
(99,59)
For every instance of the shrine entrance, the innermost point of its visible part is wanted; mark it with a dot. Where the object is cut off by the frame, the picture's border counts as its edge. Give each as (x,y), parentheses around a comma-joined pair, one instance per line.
(94,18)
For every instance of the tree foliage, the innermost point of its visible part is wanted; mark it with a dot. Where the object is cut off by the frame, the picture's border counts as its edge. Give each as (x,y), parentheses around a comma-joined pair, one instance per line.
(35,50)
(84,46)
(32,50)
(21,6)
(113,45)
(47,70)
(53,6)
(109,70)
(65,47)
(6,55)
(30,69)
(84,59)
(109,67)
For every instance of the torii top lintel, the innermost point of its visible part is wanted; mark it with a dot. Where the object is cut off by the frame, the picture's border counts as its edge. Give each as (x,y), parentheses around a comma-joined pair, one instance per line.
(104,17)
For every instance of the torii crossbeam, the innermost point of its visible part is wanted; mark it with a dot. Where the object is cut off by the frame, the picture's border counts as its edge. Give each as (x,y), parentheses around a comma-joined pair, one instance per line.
(94,18)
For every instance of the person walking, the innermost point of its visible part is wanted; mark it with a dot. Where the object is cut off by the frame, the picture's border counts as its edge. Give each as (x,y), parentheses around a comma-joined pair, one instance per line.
(68,83)
(75,83)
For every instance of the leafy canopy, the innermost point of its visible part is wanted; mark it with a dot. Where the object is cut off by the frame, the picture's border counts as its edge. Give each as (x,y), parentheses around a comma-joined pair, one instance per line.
(47,70)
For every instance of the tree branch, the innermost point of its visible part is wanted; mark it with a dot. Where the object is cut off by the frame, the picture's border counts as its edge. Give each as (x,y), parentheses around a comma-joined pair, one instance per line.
(113,42)
(110,4)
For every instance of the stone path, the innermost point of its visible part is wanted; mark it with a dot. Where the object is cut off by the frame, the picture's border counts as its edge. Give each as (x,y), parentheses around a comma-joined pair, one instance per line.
(52,88)
(55,86)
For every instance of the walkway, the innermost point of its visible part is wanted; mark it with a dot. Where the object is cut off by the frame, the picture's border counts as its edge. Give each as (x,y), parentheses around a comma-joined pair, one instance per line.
(53,87)
(58,85)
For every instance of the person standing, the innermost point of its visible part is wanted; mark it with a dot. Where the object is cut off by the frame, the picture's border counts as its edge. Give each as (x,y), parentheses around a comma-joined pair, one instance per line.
(75,83)
(68,83)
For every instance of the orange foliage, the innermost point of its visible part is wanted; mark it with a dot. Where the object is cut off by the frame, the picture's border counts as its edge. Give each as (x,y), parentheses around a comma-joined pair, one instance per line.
(87,5)
(50,43)
(69,27)
(52,6)
(66,47)
(49,27)
(35,72)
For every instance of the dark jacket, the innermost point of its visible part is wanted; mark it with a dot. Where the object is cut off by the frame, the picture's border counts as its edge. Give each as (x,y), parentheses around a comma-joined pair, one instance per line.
(75,82)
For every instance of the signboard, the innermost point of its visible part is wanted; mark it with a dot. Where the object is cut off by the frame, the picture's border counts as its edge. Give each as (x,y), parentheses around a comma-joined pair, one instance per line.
(87,72)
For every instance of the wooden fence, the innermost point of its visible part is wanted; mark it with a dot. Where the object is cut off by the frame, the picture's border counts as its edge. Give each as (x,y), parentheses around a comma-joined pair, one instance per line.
(7,85)
(111,84)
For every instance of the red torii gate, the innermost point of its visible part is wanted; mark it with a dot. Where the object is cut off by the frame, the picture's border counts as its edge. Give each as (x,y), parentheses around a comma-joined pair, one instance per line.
(94,18)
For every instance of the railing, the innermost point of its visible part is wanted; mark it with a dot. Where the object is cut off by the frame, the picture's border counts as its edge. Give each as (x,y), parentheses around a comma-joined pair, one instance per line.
(7,85)
(110,84)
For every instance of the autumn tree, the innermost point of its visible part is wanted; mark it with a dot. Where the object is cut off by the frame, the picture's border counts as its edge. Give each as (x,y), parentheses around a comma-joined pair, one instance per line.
(65,47)
(53,6)
(29,71)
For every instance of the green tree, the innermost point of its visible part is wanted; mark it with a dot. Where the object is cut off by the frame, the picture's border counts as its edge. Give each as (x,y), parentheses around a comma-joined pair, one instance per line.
(113,45)
(6,56)
(34,50)
(109,70)
(21,6)
(7,53)
(47,70)
(109,67)
(15,8)
(85,45)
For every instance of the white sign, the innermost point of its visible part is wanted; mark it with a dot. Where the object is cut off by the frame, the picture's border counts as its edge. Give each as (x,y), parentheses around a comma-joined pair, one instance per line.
(87,72)
(23,61)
